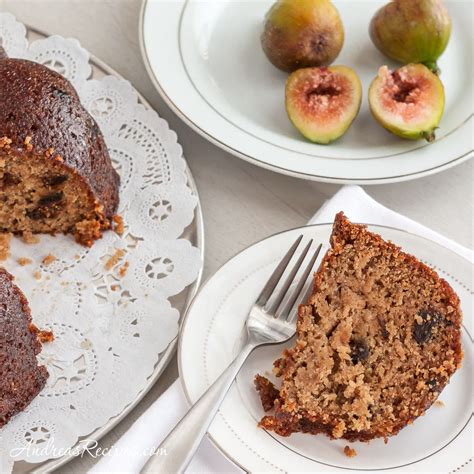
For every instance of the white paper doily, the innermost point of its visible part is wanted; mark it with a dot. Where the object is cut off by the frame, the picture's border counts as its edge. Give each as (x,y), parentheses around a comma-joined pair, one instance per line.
(110,324)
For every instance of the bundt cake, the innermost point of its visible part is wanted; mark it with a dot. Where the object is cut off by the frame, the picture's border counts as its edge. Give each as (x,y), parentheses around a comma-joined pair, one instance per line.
(55,171)
(21,379)
(377,342)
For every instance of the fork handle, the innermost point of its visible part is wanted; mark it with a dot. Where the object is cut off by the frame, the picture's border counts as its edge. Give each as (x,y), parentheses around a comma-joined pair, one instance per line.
(178,448)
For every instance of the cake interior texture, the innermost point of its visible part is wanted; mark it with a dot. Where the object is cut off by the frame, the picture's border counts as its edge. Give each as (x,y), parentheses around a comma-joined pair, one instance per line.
(21,378)
(377,342)
(43,197)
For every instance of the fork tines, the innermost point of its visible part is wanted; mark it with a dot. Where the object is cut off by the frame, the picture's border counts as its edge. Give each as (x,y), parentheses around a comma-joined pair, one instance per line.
(289,284)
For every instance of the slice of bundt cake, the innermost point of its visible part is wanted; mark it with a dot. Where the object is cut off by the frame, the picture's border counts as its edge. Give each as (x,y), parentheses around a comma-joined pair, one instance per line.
(376,343)
(55,172)
(21,379)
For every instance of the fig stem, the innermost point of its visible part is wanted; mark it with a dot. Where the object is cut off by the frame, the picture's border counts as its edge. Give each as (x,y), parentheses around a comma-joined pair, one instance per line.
(433,67)
(430,137)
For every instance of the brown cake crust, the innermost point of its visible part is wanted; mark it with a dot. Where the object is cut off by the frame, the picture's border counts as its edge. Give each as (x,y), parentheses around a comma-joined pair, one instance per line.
(21,379)
(41,117)
(374,350)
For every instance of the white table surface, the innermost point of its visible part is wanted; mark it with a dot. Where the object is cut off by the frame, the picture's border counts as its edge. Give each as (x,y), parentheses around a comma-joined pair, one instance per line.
(241,203)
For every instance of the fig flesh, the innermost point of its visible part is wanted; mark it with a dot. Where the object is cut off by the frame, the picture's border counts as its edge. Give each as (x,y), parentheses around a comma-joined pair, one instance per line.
(408,102)
(323,102)
(302,33)
(410,31)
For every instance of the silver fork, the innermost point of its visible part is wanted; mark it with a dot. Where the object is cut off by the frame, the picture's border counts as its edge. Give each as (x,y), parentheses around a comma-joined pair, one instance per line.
(271,320)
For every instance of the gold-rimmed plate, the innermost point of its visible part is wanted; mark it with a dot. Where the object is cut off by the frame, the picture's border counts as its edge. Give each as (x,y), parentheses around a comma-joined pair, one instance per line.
(205,59)
(440,441)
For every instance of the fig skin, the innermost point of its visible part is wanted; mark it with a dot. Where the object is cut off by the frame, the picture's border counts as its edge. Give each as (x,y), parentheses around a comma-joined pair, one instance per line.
(412,31)
(408,102)
(323,102)
(302,33)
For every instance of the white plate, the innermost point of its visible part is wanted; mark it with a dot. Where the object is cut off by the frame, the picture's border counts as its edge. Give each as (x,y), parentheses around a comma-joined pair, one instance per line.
(205,59)
(440,441)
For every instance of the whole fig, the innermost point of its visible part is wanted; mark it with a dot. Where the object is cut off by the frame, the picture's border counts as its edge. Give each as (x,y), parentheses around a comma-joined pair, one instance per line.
(302,33)
(410,31)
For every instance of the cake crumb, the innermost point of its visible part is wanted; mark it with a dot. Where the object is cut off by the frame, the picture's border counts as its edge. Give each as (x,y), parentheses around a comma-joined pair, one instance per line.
(37,274)
(29,237)
(123,269)
(5,245)
(118,224)
(5,142)
(42,335)
(350,452)
(23,261)
(28,144)
(49,259)
(267,391)
(439,404)
(45,336)
(114,287)
(114,259)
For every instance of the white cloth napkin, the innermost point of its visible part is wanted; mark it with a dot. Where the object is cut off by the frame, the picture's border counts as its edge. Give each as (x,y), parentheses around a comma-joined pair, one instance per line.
(358,206)
(152,427)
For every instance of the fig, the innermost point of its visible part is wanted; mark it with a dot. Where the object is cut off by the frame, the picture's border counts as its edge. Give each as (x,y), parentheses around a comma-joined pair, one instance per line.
(408,102)
(411,31)
(323,102)
(302,33)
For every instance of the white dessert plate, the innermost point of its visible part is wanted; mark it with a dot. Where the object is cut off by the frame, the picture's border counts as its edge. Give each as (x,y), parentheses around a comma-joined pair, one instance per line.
(205,59)
(440,441)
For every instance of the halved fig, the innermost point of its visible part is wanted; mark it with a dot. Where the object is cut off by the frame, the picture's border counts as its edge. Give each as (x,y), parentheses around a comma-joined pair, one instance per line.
(323,102)
(409,102)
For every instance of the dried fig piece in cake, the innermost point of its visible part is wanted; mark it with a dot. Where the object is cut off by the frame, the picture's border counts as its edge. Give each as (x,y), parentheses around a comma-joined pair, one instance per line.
(21,378)
(377,342)
(56,175)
